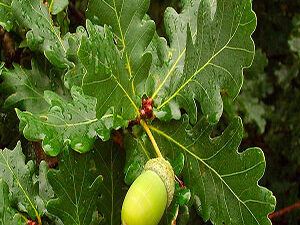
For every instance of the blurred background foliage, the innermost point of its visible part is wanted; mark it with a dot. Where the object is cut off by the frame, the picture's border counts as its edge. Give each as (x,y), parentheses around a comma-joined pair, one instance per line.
(269,102)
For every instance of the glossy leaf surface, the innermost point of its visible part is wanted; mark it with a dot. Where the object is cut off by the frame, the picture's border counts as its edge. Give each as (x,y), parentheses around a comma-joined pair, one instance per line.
(76,188)
(165,56)
(107,78)
(73,123)
(7,214)
(213,62)
(109,163)
(131,33)
(43,35)
(223,181)
(108,67)
(28,86)
(18,176)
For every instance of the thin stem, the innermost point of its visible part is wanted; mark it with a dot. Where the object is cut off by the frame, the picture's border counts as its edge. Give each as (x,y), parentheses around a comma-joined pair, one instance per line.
(24,218)
(284,210)
(50,7)
(39,219)
(145,126)
(8,6)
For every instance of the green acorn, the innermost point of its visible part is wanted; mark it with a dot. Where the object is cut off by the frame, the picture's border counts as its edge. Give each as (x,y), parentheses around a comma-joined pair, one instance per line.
(150,194)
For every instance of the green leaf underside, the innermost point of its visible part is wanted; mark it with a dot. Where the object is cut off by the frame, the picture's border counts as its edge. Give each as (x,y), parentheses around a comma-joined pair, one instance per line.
(132,34)
(107,79)
(110,163)
(7,214)
(18,176)
(6,16)
(43,36)
(73,123)
(214,63)
(75,187)
(223,181)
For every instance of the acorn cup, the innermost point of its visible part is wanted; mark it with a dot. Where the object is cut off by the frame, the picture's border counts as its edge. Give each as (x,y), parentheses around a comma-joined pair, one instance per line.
(150,194)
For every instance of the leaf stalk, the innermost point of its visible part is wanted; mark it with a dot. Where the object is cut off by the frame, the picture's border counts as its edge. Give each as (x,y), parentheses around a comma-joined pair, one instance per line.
(50,7)
(23,217)
(145,126)
(39,219)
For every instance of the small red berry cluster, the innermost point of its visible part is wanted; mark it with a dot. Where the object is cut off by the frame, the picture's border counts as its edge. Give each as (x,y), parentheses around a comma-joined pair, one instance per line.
(146,112)
(30,222)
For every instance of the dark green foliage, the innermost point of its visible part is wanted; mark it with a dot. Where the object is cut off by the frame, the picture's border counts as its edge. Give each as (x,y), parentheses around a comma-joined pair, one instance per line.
(271,93)
(89,84)
(7,214)
(75,188)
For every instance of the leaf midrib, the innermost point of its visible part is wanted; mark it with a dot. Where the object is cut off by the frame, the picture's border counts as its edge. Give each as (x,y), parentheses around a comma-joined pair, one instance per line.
(66,125)
(19,184)
(116,81)
(170,71)
(199,70)
(114,8)
(51,27)
(204,163)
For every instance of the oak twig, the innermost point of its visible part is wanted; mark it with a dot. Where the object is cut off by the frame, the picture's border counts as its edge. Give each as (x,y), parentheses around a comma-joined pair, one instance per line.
(284,210)
(145,126)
